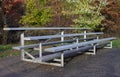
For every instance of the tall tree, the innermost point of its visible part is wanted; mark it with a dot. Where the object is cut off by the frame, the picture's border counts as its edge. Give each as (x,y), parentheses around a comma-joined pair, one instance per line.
(5,9)
(10,12)
(87,12)
(112,17)
(37,13)
(59,15)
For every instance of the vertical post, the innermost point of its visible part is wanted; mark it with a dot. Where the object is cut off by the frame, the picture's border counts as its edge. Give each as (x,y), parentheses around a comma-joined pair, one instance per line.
(77,41)
(40,51)
(111,44)
(97,37)
(85,36)
(22,44)
(94,49)
(62,53)
(62,38)
(62,59)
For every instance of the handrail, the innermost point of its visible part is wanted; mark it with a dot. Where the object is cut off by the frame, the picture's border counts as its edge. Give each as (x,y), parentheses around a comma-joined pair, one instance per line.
(45,28)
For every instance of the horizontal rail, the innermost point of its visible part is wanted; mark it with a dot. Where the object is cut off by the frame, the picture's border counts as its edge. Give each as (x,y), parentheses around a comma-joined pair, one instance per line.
(58,36)
(46,28)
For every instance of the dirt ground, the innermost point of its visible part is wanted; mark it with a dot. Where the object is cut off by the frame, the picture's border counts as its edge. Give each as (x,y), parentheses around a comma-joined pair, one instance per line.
(105,64)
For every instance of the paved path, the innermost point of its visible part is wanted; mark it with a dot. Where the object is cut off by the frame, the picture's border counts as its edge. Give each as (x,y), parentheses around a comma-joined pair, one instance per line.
(105,64)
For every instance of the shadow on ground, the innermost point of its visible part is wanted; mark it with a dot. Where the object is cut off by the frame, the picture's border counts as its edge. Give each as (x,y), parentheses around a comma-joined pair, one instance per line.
(105,64)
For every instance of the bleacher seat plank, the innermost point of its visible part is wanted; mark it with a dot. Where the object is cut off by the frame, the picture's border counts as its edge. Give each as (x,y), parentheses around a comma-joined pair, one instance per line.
(58,36)
(65,47)
(48,43)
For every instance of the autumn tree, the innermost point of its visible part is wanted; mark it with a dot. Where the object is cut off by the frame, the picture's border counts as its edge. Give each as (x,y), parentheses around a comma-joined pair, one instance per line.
(37,13)
(59,17)
(111,22)
(10,13)
(87,13)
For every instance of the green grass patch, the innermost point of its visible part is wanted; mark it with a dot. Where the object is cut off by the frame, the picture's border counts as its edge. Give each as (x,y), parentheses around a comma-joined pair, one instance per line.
(6,50)
(9,53)
(5,47)
(116,43)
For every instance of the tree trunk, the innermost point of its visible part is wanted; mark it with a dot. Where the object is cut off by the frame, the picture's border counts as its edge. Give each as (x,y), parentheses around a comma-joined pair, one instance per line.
(5,33)
(4,38)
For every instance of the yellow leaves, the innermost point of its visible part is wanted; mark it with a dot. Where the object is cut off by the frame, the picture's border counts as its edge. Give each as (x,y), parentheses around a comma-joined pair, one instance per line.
(64,12)
(88,15)
(37,13)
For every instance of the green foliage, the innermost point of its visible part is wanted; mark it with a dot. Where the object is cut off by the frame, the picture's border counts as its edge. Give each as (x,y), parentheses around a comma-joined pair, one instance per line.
(37,13)
(88,14)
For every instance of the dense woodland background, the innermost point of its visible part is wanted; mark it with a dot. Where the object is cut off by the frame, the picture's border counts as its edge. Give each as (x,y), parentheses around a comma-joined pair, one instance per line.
(11,11)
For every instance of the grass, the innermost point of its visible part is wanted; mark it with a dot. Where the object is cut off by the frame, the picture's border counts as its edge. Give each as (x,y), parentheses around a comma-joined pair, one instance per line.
(116,43)
(5,47)
(6,50)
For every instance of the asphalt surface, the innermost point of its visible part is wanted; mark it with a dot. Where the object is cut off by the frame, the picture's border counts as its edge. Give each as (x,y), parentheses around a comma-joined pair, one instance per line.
(105,64)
